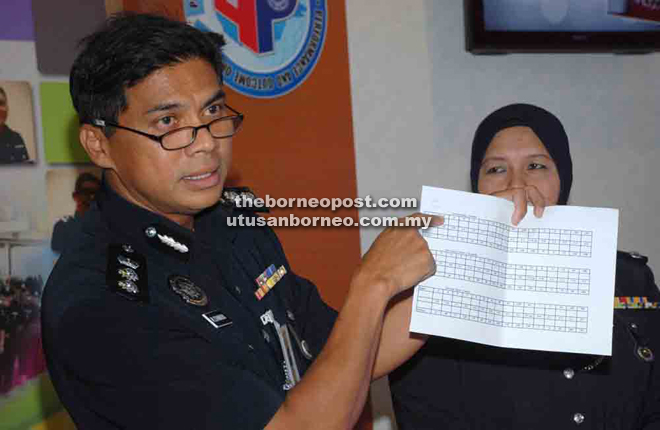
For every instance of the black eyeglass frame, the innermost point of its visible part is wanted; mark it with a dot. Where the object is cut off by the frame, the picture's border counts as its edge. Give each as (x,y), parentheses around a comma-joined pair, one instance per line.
(103,123)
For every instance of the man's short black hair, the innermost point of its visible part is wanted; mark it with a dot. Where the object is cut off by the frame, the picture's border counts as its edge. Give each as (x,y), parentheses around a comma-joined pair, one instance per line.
(128,48)
(2,91)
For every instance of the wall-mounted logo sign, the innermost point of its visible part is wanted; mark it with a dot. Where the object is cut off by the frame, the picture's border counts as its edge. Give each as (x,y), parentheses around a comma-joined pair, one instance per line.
(272,45)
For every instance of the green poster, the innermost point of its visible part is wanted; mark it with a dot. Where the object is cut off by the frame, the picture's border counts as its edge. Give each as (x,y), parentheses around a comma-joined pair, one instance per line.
(60,125)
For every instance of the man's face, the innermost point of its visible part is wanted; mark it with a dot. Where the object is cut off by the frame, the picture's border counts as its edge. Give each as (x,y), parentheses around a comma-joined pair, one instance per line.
(176,184)
(4,109)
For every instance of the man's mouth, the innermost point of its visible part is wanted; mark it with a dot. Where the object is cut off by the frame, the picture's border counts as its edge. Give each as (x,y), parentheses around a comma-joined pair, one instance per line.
(202,180)
(197,177)
(200,176)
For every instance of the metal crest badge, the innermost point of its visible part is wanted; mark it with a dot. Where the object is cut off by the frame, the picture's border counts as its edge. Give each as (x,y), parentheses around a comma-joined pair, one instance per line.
(187,290)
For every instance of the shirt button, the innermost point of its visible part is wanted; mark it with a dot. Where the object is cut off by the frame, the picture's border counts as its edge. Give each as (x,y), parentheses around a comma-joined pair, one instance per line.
(150,232)
(291,316)
(569,373)
(645,353)
(237,289)
(305,350)
(250,348)
(578,418)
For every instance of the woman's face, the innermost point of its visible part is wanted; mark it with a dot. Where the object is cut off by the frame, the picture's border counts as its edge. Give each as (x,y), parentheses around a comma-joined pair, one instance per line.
(517,158)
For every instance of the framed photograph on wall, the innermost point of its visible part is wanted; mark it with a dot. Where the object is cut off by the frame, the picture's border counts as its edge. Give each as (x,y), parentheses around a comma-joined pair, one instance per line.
(17,141)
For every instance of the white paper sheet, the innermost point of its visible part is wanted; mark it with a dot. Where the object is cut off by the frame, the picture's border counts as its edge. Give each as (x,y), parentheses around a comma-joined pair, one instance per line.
(546,284)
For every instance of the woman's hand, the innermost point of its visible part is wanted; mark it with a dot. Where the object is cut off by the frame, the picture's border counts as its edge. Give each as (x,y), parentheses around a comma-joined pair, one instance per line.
(521,197)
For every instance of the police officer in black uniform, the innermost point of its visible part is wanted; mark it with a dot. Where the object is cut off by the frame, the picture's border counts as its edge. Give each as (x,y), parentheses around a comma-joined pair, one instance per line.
(160,315)
(520,152)
(65,229)
(12,146)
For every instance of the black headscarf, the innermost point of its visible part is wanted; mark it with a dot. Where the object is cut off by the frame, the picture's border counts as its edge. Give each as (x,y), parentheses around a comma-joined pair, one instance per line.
(546,126)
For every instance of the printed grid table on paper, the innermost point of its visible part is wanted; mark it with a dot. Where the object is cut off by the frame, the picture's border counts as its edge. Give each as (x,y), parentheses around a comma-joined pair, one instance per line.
(544,241)
(486,271)
(460,304)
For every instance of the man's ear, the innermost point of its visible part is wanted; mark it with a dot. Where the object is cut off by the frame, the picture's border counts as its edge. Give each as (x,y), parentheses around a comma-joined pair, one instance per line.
(96,145)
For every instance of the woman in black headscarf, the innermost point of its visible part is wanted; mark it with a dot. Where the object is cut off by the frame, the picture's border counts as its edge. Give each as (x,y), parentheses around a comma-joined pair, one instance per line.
(520,152)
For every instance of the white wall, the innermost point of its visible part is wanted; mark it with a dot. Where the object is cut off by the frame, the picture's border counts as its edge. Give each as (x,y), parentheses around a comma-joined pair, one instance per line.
(418,97)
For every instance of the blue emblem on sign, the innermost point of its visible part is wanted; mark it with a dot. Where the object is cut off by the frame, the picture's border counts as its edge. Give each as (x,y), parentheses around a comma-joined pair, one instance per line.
(272,45)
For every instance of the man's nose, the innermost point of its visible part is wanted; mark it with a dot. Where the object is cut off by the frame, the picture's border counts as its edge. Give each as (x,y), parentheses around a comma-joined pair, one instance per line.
(204,141)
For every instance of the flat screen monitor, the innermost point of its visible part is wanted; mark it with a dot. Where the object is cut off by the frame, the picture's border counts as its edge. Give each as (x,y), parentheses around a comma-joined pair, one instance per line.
(502,26)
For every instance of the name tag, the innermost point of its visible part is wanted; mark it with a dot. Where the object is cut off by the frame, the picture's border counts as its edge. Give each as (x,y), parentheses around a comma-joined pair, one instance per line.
(217,319)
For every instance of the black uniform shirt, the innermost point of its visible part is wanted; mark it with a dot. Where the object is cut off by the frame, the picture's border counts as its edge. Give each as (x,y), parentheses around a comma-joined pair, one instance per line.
(65,232)
(12,147)
(451,384)
(124,357)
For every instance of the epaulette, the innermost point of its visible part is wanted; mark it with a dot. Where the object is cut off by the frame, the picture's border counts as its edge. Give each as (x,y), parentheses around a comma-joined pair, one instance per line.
(636,256)
(242,199)
(635,286)
(127,273)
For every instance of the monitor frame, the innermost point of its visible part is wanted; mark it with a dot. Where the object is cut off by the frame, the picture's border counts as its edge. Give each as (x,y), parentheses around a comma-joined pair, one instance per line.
(480,41)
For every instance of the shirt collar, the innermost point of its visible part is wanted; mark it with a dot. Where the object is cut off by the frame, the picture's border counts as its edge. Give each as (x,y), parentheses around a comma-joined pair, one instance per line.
(146,229)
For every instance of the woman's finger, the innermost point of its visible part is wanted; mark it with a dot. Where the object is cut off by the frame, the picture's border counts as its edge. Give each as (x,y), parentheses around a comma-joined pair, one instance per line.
(535,197)
(519,196)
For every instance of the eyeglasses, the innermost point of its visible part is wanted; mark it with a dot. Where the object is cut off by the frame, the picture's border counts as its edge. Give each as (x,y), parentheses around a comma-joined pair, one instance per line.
(220,128)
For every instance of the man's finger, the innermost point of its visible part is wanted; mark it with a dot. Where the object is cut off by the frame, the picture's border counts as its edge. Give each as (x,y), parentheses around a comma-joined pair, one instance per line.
(430,220)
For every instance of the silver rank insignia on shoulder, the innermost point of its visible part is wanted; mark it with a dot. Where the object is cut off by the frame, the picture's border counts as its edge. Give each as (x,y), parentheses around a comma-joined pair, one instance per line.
(128,286)
(241,199)
(187,290)
(125,261)
(126,273)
